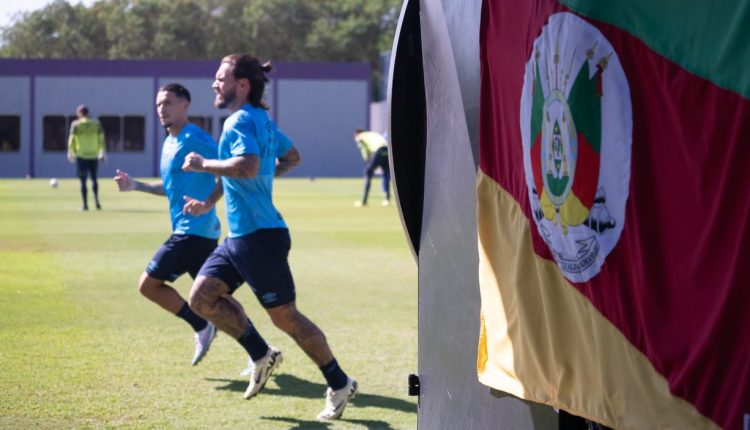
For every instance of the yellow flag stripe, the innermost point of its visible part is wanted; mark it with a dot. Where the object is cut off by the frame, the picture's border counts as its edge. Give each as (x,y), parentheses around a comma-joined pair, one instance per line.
(542,340)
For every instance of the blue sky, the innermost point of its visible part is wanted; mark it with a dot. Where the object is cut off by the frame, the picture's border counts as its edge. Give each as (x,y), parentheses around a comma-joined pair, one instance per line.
(9,8)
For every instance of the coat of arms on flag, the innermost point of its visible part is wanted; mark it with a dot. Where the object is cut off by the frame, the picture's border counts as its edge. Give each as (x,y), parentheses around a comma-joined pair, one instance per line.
(612,210)
(576,126)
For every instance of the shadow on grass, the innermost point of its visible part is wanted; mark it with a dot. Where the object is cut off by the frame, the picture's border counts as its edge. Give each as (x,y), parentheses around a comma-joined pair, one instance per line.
(292,386)
(306,424)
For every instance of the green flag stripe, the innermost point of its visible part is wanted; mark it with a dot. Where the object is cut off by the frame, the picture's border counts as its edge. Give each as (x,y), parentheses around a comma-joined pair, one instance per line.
(707,38)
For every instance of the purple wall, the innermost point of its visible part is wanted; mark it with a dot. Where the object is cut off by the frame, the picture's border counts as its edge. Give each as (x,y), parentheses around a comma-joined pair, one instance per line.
(40,163)
(180,68)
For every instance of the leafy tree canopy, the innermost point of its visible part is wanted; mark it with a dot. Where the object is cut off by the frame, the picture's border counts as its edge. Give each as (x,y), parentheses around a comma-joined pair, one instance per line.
(284,30)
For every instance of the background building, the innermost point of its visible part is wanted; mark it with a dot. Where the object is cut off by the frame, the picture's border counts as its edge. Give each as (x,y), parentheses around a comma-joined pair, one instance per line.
(317,104)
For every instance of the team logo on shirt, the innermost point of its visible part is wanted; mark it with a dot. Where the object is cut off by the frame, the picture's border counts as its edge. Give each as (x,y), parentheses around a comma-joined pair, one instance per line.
(576,127)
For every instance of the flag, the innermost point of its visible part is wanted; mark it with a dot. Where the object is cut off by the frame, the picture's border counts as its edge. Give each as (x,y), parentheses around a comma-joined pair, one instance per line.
(614,209)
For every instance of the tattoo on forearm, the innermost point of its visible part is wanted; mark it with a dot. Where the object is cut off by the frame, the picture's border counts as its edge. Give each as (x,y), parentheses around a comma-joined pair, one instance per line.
(244,166)
(232,171)
(289,160)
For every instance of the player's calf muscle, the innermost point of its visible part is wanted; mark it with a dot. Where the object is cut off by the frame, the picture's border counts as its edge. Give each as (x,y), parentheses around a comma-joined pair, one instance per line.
(204,295)
(209,299)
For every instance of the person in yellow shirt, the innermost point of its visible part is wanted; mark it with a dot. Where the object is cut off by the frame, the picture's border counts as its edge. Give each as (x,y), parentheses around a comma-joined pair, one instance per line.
(374,150)
(86,148)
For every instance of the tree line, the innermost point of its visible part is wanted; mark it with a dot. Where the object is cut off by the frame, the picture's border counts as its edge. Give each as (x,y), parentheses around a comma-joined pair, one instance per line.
(283,30)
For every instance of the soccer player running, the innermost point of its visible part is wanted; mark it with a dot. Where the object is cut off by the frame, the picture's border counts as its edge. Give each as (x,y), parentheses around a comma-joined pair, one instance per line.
(251,152)
(86,148)
(193,237)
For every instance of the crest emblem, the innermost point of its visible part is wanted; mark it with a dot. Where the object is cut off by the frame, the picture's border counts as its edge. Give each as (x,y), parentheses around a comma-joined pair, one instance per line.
(576,127)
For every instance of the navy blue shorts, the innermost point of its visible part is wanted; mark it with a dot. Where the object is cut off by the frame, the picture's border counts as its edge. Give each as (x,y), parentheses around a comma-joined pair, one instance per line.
(179,254)
(260,259)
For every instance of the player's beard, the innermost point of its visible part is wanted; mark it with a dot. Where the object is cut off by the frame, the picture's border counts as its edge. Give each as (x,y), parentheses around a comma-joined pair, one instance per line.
(224,99)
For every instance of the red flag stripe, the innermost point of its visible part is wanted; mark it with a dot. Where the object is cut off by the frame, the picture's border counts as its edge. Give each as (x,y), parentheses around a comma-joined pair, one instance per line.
(587,172)
(675,284)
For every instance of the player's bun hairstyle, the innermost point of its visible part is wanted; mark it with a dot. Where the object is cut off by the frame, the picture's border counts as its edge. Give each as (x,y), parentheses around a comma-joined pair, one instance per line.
(246,66)
(178,90)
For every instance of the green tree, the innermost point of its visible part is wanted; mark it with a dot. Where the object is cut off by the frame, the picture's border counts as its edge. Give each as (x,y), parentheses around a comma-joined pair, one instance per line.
(131,28)
(282,30)
(57,31)
(226,30)
(175,40)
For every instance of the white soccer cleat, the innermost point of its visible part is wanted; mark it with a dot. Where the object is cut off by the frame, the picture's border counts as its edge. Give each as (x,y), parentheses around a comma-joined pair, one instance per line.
(262,369)
(336,400)
(385,203)
(203,341)
(249,369)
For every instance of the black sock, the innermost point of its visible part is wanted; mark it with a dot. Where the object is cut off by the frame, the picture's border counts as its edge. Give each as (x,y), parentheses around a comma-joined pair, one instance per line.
(253,343)
(95,188)
(84,193)
(191,318)
(335,377)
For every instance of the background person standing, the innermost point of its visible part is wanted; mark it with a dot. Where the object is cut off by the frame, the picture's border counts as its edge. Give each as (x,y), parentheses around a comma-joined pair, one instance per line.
(86,148)
(374,150)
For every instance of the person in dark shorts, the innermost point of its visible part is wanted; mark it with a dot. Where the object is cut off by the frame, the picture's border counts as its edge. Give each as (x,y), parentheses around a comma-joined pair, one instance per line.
(252,151)
(86,148)
(374,150)
(193,237)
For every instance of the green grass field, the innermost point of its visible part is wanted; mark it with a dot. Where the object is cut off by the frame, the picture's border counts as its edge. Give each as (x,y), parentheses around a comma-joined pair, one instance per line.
(81,348)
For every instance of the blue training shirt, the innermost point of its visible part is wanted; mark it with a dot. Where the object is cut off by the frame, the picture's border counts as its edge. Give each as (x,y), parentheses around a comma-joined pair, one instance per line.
(249,201)
(197,185)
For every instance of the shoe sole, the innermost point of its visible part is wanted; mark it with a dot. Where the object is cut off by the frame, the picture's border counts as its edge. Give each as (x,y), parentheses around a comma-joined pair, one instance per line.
(352,394)
(197,359)
(278,358)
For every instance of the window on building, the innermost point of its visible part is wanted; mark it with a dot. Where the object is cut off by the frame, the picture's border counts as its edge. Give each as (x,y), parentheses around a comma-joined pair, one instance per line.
(112,132)
(204,122)
(134,132)
(55,133)
(120,133)
(124,134)
(10,133)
